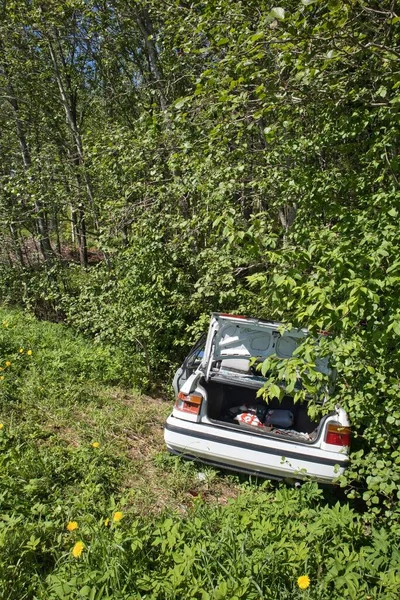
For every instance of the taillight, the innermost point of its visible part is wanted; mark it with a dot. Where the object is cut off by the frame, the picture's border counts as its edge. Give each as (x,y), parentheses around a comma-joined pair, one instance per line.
(189,403)
(337,435)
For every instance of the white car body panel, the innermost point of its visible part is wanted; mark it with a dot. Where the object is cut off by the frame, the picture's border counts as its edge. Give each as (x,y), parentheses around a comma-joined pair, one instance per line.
(252,453)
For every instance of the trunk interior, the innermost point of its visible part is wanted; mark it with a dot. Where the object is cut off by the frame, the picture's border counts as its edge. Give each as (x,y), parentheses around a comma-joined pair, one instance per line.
(226,402)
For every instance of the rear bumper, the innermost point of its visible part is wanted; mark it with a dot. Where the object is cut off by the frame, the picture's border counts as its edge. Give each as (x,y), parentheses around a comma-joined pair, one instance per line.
(242,451)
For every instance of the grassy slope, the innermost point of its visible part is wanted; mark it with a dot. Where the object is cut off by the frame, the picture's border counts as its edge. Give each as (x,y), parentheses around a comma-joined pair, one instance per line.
(63,395)
(178,537)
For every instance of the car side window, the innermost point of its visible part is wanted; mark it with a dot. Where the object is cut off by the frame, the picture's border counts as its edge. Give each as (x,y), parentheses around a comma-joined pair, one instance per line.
(195,356)
(195,359)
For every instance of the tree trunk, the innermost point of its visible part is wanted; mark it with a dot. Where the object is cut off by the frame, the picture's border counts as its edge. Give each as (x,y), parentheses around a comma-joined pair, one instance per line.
(70,113)
(74,226)
(57,230)
(44,240)
(83,253)
(146,28)
(16,245)
(287,215)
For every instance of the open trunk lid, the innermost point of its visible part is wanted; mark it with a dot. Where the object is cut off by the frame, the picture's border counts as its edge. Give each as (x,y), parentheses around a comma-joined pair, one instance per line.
(233,340)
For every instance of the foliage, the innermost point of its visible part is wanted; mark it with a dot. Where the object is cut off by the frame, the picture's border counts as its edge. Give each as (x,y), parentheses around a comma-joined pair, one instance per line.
(236,156)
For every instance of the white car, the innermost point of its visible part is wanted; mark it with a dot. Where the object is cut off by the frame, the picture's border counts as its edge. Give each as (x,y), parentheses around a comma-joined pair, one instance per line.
(218,418)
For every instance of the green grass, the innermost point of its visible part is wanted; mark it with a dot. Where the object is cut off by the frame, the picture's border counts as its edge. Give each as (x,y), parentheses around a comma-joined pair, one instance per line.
(61,396)
(181,535)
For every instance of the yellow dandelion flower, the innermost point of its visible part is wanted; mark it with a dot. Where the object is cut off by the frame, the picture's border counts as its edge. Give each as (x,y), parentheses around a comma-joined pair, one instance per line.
(96,445)
(29,352)
(78,549)
(1,426)
(1,377)
(21,350)
(117,517)
(303,582)
(106,522)
(1,369)
(7,363)
(72,525)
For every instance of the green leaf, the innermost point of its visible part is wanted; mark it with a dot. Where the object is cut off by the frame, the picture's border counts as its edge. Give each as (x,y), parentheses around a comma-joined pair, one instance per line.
(274,391)
(256,36)
(277,13)
(396,327)
(181,102)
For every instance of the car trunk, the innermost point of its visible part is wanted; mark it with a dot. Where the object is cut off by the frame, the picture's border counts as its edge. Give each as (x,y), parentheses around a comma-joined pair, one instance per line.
(225,401)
